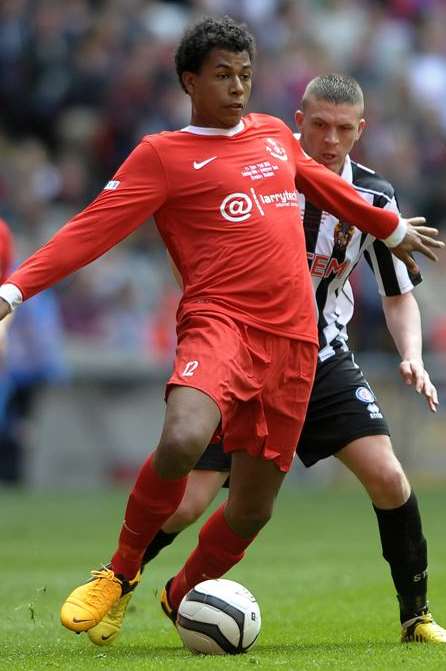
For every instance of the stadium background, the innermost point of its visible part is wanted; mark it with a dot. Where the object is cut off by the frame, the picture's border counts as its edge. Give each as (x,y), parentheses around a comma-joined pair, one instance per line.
(80,83)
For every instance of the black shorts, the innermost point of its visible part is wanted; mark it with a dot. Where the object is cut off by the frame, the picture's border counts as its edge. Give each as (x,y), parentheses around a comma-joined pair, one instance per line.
(214,458)
(342,408)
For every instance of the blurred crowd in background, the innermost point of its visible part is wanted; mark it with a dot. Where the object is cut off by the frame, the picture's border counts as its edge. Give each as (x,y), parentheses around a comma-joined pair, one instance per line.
(82,81)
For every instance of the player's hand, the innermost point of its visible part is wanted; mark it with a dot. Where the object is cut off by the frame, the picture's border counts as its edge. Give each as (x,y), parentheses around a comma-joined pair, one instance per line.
(413,372)
(419,238)
(5,309)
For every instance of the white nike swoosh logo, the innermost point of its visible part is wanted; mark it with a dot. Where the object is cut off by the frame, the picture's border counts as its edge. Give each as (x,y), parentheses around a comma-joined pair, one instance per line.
(201,164)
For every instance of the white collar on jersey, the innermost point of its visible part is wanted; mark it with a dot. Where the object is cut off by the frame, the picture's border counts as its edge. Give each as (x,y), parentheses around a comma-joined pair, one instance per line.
(198,130)
(347,171)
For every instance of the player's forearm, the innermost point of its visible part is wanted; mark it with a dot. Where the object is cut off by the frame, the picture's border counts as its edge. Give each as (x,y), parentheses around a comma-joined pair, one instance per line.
(81,241)
(136,192)
(330,192)
(404,323)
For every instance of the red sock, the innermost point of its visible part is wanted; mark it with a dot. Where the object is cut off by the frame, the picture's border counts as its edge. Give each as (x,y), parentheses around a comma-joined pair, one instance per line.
(219,548)
(151,502)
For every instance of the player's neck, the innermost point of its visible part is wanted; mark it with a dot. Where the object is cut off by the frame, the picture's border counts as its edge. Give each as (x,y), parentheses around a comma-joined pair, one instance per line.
(209,130)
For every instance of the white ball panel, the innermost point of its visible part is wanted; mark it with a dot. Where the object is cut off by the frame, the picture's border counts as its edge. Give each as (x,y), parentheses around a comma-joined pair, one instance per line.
(198,642)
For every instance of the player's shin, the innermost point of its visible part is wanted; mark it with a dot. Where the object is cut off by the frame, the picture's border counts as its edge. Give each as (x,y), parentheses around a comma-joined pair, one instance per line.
(219,548)
(152,501)
(405,549)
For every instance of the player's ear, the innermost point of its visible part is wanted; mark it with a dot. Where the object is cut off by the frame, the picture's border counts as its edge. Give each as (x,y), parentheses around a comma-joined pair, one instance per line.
(188,79)
(361,126)
(299,117)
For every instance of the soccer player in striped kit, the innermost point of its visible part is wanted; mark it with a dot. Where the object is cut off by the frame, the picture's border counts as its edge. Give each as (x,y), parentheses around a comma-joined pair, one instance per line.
(344,418)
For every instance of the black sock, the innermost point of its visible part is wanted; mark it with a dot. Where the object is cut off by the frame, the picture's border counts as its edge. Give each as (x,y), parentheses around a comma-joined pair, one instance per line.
(160,541)
(405,548)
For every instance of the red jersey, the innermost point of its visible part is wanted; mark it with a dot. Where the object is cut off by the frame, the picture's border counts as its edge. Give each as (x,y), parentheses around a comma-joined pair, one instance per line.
(6,251)
(226,206)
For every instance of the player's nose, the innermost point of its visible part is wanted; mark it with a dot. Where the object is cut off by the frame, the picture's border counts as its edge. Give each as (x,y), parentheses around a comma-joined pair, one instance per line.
(331,137)
(237,86)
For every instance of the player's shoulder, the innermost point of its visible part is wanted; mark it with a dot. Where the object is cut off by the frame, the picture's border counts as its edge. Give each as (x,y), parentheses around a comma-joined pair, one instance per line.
(258,121)
(163,138)
(366,179)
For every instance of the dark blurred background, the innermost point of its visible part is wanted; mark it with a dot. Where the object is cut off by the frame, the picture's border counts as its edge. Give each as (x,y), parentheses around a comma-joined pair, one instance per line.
(80,83)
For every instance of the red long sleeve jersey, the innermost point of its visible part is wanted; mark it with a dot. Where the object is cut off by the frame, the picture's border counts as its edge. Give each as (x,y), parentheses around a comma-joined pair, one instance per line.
(226,206)
(6,251)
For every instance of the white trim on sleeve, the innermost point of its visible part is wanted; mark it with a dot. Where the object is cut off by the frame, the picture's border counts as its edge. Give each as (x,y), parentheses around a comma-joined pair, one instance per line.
(11,294)
(398,234)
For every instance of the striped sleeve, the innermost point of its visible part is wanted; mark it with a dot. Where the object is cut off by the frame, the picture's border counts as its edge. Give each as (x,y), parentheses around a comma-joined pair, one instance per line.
(391,274)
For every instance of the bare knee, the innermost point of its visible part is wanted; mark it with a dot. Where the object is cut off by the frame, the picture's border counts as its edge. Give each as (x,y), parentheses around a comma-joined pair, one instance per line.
(388,486)
(179,449)
(373,461)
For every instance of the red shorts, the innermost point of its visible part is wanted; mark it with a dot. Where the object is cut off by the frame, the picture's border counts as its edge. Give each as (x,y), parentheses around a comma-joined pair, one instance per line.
(261,382)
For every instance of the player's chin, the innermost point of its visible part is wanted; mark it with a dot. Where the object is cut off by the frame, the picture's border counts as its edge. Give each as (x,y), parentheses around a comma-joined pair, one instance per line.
(231,116)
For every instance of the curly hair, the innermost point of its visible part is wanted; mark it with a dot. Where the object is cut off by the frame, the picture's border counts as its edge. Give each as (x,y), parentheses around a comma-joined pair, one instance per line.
(208,34)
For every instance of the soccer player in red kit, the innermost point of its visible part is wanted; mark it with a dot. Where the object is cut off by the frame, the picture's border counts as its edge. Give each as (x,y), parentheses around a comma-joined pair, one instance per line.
(223,195)
(6,257)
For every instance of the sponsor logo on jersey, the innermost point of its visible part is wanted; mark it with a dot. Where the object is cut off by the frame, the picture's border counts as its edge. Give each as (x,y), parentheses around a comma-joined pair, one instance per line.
(374,411)
(364,395)
(200,164)
(276,149)
(283,199)
(112,185)
(260,170)
(238,206)
(323,266)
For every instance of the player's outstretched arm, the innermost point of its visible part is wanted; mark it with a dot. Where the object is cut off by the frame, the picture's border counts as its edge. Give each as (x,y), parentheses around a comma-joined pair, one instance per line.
(404,323)
(330,192)
(418,238)
(138,189)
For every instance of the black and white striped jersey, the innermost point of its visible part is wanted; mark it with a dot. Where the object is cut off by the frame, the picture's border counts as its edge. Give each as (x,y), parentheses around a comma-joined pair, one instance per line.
(334,248)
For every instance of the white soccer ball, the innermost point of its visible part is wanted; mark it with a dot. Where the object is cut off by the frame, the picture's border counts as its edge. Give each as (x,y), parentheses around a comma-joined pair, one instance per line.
(219,617)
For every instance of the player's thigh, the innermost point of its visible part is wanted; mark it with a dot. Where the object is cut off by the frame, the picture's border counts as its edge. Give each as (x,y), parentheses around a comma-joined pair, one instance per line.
(191,411)
(253,487)
(190,422)
(373,461)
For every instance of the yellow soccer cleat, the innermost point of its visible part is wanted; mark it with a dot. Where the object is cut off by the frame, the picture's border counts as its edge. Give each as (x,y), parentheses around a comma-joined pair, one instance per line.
(109,627)
(165,605)
(89,603)
(422,629)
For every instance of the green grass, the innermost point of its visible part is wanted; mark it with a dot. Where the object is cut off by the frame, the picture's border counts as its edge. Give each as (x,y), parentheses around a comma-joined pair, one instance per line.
(325,593)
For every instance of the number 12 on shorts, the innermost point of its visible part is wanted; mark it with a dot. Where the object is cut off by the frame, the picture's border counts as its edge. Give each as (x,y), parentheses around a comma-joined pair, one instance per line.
(190,368)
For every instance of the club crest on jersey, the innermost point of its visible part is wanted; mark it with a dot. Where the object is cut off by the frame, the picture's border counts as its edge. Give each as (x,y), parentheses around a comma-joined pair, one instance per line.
(364,395)
(276,149)
(112,185)
(343,233)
